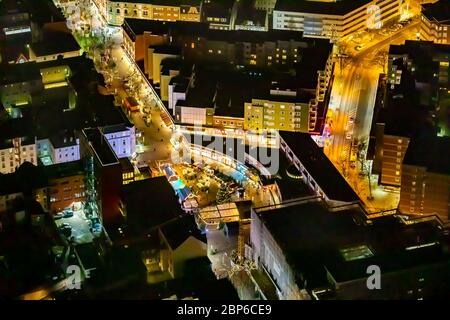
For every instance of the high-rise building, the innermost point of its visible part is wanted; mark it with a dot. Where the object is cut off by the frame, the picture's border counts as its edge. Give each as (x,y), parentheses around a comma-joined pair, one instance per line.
(334,19)
(435,22)
(162,10)
(412,129)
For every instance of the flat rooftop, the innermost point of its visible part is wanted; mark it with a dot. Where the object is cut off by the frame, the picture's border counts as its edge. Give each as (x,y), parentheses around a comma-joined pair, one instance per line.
(315,240)
(150,203)
(319,167)
(101,147)
(430,152)
(438,11)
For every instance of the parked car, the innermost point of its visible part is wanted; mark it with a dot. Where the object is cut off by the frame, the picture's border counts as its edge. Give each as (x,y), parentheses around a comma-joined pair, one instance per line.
(67,213)
(97,228)
(66,230)
(58,216)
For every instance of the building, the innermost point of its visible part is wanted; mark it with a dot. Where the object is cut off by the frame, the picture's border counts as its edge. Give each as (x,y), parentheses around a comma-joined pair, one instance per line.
(181,241)
(248,17)
(414,105)
(122,139)
(169,50)
(316,169)
(22,24)
(411,130)
(308,250)
(267,5)
(56,45)
(283,113)
(221,98)
(156,55)
(57,93)
(435,22)
(104,176)
(162,10)
(219,14)
(18,145)
(66,185)
(61,148)
(54,187)
(274,49)
(425,188)
(334,19)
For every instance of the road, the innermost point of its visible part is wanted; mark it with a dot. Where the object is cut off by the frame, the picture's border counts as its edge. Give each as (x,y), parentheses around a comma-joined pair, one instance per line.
(119,69)
(352,104)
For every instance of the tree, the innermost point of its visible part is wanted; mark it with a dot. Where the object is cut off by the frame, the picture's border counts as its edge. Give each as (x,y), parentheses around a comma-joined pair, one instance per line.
(223,195)
(362,145)
(381,59)
(343,55)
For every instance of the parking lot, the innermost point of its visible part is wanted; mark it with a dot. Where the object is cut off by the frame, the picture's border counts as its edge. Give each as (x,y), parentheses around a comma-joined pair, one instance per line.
(79,224)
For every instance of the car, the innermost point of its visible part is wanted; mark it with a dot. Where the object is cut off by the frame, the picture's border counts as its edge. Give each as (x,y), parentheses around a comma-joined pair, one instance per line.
(58,216)
(406,22)
(349,135)
(351,120)
(65,225)
(359,47)
(66,230)
(67,213)
(97,228)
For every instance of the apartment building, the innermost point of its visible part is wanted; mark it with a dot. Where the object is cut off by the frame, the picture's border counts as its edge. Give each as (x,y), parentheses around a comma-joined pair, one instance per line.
(161,10)
(219,14)
(414,105)
(425,186)
(435,22)
(334,19)
(66,185)
(284,113)
(267,5)
(15,151)
(122,139)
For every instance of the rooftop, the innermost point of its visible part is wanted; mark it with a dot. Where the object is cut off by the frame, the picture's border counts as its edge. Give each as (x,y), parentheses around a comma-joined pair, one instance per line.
(317,164)
(100,147)
(150,203)
(178,231)
(410,108)
(315,238)
(54,43)
(438,11)
(290,186)
(63,170)
(430,152)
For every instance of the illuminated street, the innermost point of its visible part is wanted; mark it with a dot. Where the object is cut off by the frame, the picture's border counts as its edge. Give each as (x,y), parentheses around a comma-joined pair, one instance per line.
(224,150)
(352,102)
